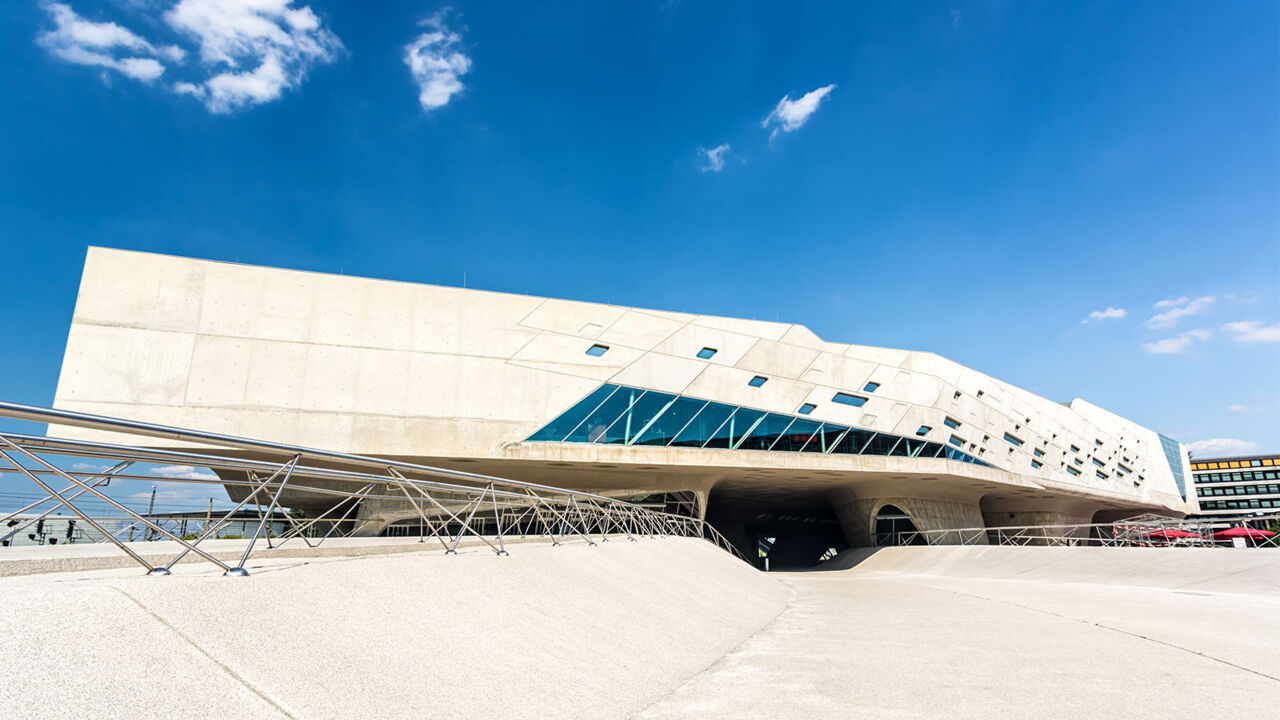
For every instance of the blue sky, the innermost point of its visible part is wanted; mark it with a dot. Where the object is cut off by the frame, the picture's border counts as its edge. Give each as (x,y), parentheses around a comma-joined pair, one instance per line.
(973,179)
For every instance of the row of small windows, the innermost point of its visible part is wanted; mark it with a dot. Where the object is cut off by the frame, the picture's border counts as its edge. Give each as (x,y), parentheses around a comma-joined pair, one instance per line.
(843,398)
(1231,464)
(620,415)
(1239,490)
(1248,476)
(1238,504)
(759,380)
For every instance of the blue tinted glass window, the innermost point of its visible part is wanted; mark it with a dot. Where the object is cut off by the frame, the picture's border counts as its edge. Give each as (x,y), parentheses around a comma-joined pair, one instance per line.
(766,432)
(706,353)
(931,450)
(871,387)
(597,350)
(905,447)
(557,429)
(847,399)
(1098,462)
(1072,470)
(954,454)
(923,430)
(951,423)
(796,436)
(1037,464)
(807,408)
(757,381)
(1012,440)
(739,424)
(593,428)
(699,430)
(826,438)
(957,441)
(634,419)
(1038,452)
(881,444)
(853,442)
(664,428)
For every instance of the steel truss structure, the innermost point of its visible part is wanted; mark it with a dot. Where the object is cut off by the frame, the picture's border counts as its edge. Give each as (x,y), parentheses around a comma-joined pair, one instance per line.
(451,505)
(1139,531)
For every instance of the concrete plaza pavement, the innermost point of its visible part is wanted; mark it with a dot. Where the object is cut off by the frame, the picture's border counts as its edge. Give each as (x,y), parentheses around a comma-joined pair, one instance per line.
(665,628)
(948,642)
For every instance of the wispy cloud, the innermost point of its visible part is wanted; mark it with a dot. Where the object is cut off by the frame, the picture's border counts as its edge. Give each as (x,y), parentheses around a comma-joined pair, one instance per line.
(1109,314)
(1221,446)
(89,467)
(436,63)
(714,158)
(183,472)
(1246,408)
(77,40)
(1252,331)
(249,51)
(1177,344)
(258,48)
(791,114)
(1176,309)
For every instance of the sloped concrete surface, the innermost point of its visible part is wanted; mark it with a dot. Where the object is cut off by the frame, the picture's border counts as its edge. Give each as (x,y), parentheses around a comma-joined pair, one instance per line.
(928,632)
(571,631)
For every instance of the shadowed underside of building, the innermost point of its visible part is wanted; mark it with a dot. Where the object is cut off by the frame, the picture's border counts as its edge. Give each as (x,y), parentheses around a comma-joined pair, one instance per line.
(771,433)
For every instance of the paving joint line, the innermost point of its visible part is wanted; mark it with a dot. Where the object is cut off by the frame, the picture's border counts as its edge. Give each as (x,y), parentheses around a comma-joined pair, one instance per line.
(223,666)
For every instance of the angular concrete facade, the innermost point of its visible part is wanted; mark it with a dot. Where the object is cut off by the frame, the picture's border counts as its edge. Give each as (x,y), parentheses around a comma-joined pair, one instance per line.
(467,378)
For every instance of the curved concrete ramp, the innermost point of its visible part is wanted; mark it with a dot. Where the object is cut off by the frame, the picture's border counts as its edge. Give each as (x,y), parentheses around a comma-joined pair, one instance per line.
(1219,570)
(1003,632)
(548,632)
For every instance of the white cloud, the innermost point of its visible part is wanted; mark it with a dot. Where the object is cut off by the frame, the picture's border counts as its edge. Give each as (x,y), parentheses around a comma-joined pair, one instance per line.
(436,64)
(1109,314)
(1252,331)
(792,114)
(183,472)
(1245,408)
(1221,446)
(104,44)
(1177,344)
(714,157)
(89,467)
(1176,309)
(276,42)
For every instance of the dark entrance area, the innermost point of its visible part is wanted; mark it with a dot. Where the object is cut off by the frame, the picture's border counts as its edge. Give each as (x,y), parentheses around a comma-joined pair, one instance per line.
(894,527)
(792,530)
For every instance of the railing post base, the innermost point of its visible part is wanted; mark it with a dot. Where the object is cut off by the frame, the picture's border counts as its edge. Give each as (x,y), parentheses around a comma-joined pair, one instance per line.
(236,572)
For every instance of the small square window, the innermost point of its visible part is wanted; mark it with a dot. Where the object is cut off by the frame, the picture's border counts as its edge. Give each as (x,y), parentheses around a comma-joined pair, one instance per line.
(1037,464)
(956,396)
(871,387)
(597,350)
(980,393)
(706,353)
(847,399)
(757,381)
(807,408)
(923,430)
(951,423)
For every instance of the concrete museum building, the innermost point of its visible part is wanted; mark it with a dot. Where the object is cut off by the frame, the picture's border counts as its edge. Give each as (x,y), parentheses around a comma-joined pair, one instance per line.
(764,428)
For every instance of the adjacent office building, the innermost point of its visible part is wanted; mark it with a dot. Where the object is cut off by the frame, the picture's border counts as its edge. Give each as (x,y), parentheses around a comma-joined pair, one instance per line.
(764,428)
(1234,486)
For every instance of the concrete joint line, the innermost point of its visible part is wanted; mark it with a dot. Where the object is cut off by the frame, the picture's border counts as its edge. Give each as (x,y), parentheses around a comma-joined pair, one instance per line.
(791,602)
(1122,631)
(221,665)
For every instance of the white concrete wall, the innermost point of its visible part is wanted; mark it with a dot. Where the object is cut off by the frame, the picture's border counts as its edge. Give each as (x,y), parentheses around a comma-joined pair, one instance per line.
(397,368)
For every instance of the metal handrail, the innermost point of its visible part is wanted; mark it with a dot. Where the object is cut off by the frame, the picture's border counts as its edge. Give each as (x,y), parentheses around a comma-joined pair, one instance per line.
(450,503)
